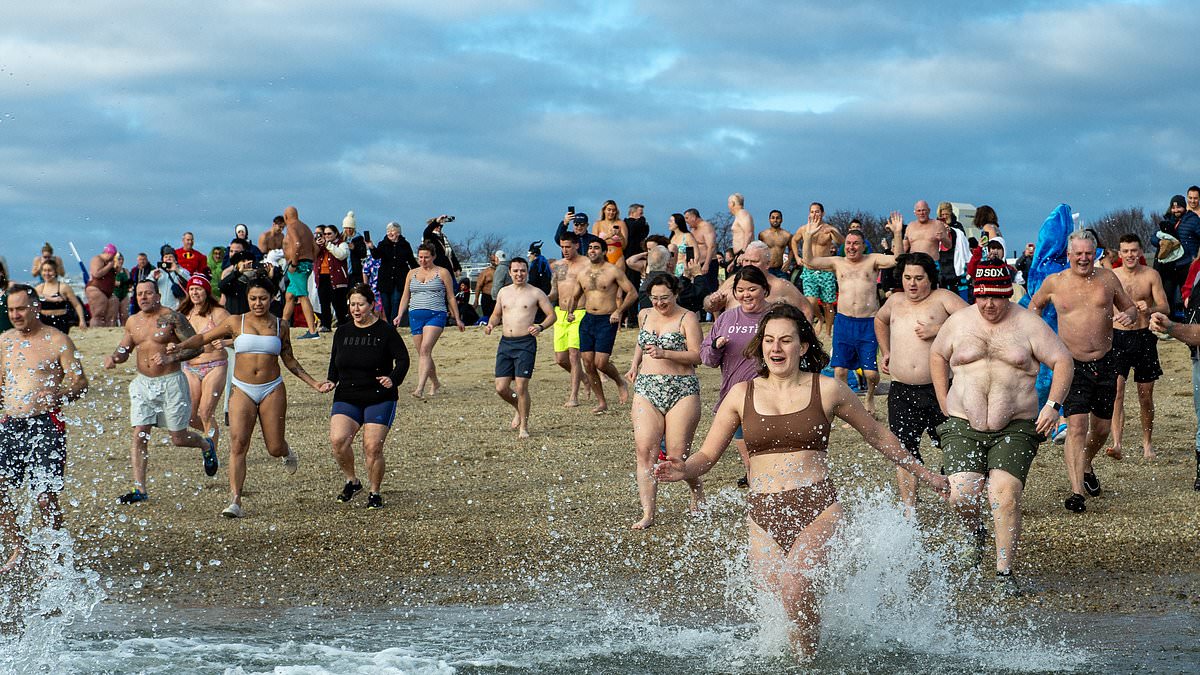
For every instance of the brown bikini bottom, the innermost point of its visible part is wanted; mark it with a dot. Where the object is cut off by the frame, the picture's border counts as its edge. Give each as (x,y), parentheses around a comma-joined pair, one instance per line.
(784,515)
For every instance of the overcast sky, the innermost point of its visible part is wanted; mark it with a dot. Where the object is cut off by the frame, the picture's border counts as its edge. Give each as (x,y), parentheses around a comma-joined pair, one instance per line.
(132,121)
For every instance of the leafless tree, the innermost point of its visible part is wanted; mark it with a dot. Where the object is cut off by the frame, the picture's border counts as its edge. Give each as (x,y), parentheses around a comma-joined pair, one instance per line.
(475,247)
(874,227)
(722,223)
(1130,220)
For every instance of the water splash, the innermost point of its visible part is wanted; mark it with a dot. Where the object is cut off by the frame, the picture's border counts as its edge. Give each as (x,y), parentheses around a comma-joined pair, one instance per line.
(46,594)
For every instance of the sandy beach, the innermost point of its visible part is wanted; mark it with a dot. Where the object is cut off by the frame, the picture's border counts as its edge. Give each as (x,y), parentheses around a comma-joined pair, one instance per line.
(474,514)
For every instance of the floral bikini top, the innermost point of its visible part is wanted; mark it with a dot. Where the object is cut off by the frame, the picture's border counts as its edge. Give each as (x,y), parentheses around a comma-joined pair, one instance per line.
(674,341)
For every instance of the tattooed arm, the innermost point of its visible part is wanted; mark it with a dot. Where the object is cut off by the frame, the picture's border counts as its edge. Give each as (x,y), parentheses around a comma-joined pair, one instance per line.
(183,331)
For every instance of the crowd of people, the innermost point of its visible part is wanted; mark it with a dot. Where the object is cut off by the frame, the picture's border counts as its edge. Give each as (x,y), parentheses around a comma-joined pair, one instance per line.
(930,307)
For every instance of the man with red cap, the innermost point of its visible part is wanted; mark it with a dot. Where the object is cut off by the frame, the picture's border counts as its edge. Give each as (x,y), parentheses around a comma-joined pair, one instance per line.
(993,350)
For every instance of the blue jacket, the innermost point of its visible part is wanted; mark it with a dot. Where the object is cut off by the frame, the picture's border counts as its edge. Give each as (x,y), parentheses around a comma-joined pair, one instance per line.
(1188,234)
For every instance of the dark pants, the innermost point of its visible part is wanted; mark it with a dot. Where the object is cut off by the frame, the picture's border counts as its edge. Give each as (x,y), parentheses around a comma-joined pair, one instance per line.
(332,299)
(487,304)
(390,297)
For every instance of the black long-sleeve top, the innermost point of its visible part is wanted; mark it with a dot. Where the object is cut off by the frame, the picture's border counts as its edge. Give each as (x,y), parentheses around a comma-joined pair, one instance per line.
(395,260)
(359,356)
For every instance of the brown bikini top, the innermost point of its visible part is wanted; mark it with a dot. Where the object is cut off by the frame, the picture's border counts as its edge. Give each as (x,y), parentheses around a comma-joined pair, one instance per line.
(806,429)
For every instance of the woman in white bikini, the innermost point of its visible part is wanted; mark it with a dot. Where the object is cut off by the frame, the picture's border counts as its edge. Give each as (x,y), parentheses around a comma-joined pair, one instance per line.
(205,373)
(259,345)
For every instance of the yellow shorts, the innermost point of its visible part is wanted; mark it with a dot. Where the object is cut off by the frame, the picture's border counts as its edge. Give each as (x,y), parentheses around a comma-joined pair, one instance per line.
(566,333)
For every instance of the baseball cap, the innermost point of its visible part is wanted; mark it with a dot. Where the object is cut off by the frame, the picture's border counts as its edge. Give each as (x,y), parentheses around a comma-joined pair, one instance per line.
(580,219)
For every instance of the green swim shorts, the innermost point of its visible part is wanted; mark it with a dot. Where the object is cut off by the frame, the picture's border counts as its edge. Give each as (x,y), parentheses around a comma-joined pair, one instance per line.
(297,280)
(1010,449)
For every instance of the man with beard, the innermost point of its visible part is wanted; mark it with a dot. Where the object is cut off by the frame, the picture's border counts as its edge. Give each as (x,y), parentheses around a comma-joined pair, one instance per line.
(598,286)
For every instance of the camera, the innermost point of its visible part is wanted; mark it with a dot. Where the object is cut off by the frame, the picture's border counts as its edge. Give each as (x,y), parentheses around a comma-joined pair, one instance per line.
(447,219)
(164,266)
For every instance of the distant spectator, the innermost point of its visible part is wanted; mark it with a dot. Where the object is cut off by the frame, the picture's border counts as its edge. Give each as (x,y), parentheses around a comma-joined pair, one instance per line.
(189,258)
(395,256)
(47,254)
(443,252)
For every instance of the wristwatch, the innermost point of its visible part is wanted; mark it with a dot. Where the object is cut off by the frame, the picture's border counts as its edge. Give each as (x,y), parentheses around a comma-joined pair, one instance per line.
(1056,405)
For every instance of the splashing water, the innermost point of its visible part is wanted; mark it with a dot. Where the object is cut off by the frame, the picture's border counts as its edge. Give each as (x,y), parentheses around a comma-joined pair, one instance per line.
(42,598)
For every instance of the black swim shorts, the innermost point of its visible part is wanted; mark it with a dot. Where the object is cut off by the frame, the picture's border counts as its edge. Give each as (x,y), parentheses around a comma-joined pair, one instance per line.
(1137,350)
(913,410)
(515,356)
(1094,389)
(34,446)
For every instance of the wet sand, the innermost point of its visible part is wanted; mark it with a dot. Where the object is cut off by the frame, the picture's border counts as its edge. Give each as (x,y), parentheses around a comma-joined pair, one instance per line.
(474,514)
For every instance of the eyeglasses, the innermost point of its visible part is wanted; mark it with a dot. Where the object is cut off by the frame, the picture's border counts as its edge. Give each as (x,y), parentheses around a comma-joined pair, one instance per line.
(661,298)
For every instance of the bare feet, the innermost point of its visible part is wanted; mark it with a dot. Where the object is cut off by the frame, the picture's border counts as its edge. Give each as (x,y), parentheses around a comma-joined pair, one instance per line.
(1149,453)
(516,423)
(524,433)
(623,393)
(600,409)
(417,394)
(1115,453)
(572,403)
(643,524)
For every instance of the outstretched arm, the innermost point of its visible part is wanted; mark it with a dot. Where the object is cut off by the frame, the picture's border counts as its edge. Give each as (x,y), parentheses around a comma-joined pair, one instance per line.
(726,421)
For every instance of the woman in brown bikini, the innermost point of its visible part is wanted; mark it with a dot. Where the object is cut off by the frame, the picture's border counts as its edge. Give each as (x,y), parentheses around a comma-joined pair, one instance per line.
(785,413)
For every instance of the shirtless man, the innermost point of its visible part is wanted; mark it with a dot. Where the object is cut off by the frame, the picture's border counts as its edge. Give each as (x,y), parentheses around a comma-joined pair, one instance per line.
(905,327)
(778,240)
(598,286)
(483,286)
(742,228)
(300,250)
(564,284)
(820,286)
(1084,296)
(706,249)
(99,290)
(1193,199)
(41,371)
(925,235)
(158,395)
(781,290)
(854,343)
(273,238)
(517,306)
(994,350)
(1137,347)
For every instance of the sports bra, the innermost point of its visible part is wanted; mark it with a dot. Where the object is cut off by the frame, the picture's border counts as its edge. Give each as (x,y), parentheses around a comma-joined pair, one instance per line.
(674,341)
(806,429)
(247,343)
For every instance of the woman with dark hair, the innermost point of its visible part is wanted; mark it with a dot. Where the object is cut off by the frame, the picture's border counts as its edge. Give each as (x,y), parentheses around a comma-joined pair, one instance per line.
(205,373)
(367,365)
(666,391)
(731,332)
(429,299)
(60,306)
(786,412)
(681,242)
(260,343)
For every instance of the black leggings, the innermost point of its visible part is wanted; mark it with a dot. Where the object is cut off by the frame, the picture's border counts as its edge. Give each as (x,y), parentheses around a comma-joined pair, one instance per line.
(331,298)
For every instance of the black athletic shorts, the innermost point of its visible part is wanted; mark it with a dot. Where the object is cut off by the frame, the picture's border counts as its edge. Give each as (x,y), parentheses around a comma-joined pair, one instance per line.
(913,410)
(515,356)
(1094,389)
(34,446)
(1136,349)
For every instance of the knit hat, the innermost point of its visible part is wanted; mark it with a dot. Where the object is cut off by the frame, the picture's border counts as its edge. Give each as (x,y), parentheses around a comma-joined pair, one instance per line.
(1178,199)
(348,222)
(993,279)
(199,280)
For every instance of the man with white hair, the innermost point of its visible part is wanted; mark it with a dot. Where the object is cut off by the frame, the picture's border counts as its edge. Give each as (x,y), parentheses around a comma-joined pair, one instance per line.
(743,225)
(1084,296)
(758,254)
(501,278)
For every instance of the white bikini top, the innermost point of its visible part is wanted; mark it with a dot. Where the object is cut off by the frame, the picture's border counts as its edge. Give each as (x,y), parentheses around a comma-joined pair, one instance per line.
(247,343)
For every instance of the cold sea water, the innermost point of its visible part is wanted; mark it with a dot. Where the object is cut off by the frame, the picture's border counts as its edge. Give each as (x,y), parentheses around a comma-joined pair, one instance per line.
(885,610)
